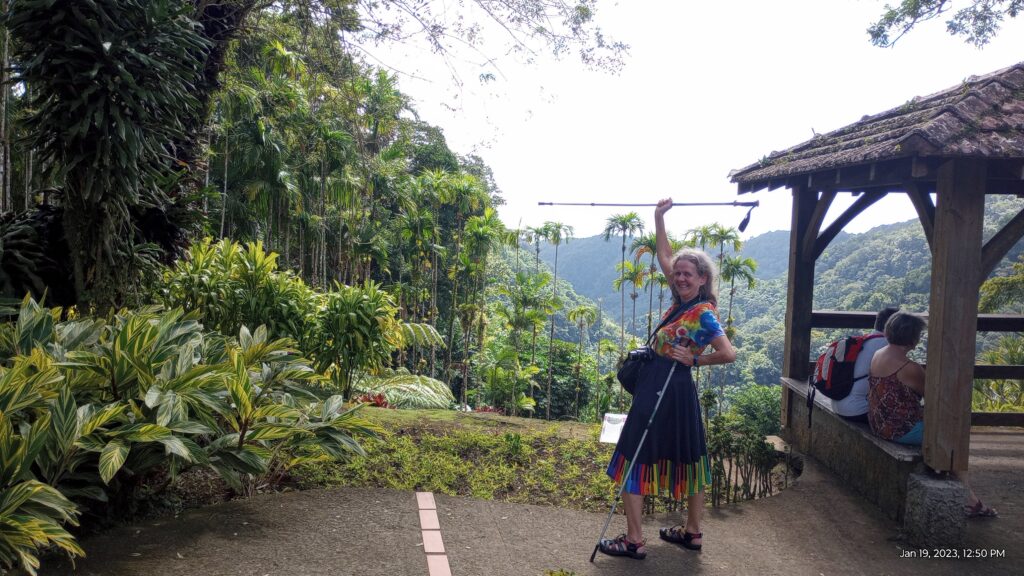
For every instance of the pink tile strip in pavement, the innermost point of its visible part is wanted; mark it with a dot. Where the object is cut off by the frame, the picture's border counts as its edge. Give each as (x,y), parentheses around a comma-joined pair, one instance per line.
(428,520)
(433,545)
(425,500)
(438,565)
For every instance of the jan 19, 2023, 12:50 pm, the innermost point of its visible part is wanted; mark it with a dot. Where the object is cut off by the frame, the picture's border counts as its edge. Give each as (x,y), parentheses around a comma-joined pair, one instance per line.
(953,553)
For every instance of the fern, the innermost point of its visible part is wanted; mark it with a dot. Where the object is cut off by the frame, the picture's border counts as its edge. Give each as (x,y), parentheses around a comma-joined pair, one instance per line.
(405,390)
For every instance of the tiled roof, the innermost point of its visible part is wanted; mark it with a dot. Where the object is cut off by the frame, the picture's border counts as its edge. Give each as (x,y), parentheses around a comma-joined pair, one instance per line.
(982,117)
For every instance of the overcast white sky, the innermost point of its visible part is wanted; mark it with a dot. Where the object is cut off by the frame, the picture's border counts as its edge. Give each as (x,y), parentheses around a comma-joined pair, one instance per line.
(707,87)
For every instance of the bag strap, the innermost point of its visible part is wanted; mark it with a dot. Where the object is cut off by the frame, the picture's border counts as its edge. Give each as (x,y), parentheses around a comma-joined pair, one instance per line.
(864,341)
(668,320)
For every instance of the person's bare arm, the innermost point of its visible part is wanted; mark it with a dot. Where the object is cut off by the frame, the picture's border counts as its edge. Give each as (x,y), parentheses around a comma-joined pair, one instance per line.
(664,248)
(913,377)
(723,353)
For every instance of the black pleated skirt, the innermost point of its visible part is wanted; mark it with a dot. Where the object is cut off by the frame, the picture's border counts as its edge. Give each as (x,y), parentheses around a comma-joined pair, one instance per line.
(673,460)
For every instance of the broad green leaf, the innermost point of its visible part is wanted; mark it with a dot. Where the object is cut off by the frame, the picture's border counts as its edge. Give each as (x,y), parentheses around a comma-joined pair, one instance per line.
(174,445)
(144,433)
(112,459)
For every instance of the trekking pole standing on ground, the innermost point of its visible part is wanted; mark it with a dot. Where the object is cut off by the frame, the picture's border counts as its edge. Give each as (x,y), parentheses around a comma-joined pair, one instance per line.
(636,454)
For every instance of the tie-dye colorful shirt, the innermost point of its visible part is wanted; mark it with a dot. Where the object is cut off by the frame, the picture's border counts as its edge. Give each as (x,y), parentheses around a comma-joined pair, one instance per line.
(696,327)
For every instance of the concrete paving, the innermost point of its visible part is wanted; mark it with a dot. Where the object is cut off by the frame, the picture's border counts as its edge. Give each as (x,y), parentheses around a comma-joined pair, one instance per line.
(814,528)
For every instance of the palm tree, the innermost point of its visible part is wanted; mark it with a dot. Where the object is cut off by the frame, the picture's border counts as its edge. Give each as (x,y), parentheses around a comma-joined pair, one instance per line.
(646,244)
(483,233)
(602,344)
(662,282)
(720,237)
(556,234)
(634,273)
(737,268)
(583,316)
(514,238)
(624,224)
(527,306)
(535,235)
(1001,395)
(700,236)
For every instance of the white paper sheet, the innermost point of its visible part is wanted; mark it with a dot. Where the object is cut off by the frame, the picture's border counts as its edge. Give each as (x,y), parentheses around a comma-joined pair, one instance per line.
(611,427)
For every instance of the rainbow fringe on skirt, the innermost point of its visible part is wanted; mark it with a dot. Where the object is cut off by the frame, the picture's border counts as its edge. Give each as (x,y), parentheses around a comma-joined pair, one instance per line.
(664,477)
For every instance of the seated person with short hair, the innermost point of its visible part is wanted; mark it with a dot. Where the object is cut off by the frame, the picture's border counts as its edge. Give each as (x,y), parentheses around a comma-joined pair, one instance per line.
(855,406)
(895,391)
(896,383)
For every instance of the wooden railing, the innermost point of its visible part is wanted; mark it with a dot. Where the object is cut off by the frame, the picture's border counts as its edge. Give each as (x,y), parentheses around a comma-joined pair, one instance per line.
(986,323)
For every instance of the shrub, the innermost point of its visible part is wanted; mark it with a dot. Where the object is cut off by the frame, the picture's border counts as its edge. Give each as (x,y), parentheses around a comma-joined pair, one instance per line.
(231,286)
(94,411)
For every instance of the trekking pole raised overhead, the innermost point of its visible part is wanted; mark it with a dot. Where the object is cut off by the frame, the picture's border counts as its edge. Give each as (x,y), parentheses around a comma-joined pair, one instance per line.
(636,454)
(742,226)
(752,204)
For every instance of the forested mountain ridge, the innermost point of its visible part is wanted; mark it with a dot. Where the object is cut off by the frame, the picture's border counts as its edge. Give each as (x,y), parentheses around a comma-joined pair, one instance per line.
(887,265)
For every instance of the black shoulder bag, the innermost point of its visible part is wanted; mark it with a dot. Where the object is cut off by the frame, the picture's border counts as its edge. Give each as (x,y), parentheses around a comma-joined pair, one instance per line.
(629,372)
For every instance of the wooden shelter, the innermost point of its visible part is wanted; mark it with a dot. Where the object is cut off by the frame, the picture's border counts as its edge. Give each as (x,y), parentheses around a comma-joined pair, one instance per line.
(959,144)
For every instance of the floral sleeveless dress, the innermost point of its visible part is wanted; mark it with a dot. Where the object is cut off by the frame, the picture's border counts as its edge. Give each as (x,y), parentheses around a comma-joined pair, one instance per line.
(673,460)
(893,407)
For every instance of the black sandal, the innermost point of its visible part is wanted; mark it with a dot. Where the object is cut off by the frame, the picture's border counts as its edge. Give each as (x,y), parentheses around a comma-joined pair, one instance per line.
(620,546)
(679,535)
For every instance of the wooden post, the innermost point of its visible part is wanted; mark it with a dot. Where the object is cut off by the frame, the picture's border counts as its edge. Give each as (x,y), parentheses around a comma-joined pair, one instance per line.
(800,293)
(952,313)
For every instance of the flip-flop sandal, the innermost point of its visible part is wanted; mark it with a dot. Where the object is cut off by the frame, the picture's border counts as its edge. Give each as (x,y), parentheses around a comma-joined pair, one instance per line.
(620,546)
(979,510)
(679,535)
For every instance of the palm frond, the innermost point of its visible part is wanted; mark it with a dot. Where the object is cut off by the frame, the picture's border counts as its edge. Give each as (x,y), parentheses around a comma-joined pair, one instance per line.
(405,390)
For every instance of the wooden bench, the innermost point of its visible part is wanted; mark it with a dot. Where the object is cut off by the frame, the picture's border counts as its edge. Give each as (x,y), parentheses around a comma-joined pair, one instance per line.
(876,468)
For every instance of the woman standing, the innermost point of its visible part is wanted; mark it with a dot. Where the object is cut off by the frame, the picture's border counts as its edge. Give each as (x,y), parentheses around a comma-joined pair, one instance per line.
(674,458)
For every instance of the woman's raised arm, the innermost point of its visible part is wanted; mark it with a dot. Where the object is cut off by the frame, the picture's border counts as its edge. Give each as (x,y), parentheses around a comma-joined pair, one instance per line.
(661,237)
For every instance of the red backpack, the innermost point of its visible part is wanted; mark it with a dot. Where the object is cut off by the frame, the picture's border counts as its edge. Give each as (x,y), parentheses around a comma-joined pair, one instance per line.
(833,372)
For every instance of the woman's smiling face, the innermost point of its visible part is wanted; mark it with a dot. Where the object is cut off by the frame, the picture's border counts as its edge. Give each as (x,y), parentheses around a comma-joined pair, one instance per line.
(686,279)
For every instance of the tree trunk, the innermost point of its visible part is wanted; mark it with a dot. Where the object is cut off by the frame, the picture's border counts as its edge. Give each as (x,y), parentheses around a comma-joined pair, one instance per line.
(622,310)
(224,192)
(6,203)
(551,335)
(28,179)
(650,296)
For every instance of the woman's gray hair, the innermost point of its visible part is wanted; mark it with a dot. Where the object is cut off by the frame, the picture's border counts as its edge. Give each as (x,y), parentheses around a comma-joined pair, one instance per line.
(705,267)
(904,329)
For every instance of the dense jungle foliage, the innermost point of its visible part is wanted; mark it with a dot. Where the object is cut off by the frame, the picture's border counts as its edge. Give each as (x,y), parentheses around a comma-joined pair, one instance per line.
(244,232)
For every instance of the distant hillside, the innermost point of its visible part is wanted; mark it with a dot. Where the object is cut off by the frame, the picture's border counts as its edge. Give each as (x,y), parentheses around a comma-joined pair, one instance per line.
(886,265)
(771,251)
(589,265)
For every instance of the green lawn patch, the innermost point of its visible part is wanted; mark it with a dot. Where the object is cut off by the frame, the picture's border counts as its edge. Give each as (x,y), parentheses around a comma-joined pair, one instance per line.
(484,456)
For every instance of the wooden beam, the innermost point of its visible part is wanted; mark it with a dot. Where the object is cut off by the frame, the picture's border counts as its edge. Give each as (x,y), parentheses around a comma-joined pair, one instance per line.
(997,246)
(866,320)
(981,371)
(922,202)
(817,217)
(1006,169)
(998,372)
(997,419)
(956,266)
(1008,187)
(799,295)
(830,233)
